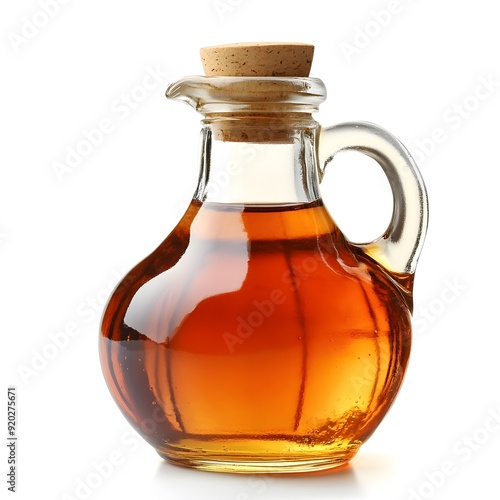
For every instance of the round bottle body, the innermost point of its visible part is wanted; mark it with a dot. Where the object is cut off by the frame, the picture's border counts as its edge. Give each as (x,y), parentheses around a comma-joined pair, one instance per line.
(256,339)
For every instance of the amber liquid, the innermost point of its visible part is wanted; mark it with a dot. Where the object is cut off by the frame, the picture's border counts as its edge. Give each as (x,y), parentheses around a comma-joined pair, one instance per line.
(256,339)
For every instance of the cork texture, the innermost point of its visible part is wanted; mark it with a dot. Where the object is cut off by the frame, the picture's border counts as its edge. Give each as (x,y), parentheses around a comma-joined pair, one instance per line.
(258,59)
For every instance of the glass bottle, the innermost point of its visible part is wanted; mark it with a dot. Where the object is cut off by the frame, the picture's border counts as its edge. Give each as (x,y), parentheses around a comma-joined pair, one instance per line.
(256,337)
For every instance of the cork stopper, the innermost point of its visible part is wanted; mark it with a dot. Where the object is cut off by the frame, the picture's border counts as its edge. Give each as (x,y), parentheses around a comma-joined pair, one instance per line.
(260,119)
(258,59)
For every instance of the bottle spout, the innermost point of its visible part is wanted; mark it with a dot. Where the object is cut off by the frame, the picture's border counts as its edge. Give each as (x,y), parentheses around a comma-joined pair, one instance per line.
(251,89)
(190,90)
(244,63)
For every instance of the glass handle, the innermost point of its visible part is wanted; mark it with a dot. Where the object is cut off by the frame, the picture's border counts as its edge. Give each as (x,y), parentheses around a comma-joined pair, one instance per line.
(397,250)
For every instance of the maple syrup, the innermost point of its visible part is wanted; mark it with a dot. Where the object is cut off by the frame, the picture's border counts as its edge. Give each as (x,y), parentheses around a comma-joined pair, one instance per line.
(255,332)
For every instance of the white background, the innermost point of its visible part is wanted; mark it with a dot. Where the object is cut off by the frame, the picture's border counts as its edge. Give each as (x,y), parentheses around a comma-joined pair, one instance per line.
(64,240)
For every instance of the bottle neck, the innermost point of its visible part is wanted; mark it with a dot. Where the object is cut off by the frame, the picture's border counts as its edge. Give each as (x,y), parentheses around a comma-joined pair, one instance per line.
(273,167)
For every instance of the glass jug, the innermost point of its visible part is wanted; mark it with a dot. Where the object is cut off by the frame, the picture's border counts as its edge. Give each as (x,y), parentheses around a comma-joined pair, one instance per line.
(256,337)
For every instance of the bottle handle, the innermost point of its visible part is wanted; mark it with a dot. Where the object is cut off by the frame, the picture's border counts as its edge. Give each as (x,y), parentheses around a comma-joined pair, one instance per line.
(398,249)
